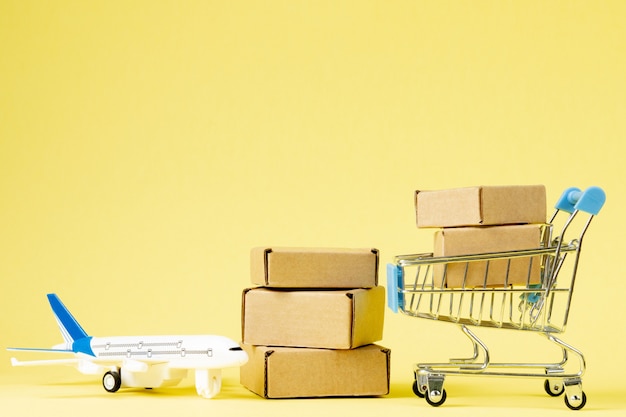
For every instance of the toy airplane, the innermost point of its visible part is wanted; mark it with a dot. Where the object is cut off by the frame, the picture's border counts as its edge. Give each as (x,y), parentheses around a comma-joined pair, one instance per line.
(141,361)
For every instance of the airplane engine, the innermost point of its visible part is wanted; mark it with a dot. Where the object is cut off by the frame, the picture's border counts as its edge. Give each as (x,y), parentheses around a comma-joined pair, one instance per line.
(208,382)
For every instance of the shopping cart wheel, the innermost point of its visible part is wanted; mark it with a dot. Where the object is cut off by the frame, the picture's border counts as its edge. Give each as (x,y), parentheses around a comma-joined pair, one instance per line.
(436,398)
(554,388)
(577,402)
(417,391)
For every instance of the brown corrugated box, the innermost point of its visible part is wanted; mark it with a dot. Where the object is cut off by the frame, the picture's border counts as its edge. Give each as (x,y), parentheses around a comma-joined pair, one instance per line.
(332,319)
(314,267)
(481,206)
(476,240)
(283,372)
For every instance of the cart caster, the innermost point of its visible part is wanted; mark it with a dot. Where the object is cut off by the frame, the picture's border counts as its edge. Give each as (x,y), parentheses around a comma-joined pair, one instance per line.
(554,388)
(575,398)
(431,388)
(416,390)
(436,398)
(576,402)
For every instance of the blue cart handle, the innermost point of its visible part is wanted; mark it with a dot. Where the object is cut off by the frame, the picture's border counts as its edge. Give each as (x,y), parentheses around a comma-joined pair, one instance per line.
(590,201)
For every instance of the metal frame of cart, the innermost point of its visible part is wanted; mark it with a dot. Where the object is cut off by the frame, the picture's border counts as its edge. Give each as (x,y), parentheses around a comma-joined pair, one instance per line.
(416,287)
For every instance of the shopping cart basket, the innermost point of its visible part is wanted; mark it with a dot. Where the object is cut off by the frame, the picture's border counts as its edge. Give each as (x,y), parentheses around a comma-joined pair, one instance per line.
(417,287)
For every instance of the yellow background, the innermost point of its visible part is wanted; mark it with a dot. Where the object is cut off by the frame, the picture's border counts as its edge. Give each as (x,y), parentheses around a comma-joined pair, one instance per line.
(146,146)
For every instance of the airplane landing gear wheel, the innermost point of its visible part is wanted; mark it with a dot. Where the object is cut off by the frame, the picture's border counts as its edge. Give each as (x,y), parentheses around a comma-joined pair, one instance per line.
(111,381)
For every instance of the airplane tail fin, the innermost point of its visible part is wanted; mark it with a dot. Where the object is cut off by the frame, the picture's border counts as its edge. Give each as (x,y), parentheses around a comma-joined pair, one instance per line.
(69,327)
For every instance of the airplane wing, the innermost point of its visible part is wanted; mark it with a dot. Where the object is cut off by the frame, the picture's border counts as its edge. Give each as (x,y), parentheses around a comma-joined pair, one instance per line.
(48,362)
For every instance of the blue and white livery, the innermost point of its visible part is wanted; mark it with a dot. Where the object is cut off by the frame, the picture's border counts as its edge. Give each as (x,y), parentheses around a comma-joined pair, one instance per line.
(141,361)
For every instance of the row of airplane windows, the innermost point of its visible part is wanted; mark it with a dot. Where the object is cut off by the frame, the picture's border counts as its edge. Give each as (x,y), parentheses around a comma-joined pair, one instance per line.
(149,353)
(139,345)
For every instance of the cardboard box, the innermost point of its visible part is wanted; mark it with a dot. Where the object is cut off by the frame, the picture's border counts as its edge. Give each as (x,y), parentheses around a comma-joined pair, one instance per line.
(332,319)
(283,372)
(314,267)
(475,240)
(481,206)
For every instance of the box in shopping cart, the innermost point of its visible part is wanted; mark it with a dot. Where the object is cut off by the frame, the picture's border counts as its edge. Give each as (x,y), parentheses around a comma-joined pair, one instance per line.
(331,319)
(476,240)
(481,206)
(314,267)
(284,372)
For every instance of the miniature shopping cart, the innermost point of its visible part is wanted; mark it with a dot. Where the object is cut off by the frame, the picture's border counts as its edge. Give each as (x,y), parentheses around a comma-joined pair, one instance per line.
(417,287)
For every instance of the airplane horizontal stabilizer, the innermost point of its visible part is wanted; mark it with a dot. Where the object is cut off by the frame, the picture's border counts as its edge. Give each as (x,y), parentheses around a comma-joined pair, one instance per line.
(48,350)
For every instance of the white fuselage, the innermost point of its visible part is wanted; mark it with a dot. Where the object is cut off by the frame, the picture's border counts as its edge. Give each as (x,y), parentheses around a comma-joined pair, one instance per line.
(157,361)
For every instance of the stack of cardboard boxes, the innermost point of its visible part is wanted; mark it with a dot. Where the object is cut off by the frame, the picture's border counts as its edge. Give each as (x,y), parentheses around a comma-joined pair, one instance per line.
(476,220)
(310,324)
